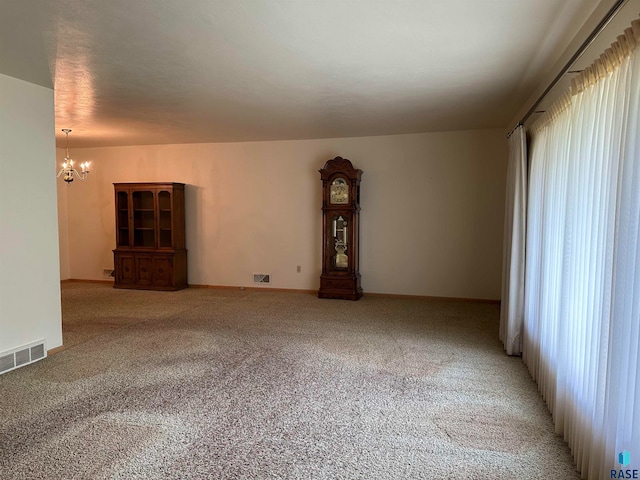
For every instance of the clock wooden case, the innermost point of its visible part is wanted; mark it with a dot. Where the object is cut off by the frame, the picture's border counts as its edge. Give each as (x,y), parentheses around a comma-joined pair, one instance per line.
(340,230)
(150,249)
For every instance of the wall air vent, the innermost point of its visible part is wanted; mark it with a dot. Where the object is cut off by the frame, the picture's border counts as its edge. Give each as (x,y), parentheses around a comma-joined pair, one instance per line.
(37,352)
(24,355)
(7,362)
(261,278)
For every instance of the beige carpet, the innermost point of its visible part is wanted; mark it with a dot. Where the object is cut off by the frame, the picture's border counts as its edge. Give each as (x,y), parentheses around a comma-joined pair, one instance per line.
(230,384)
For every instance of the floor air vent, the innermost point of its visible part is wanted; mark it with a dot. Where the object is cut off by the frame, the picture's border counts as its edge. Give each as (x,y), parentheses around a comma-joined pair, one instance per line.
(261,278)
(21,356)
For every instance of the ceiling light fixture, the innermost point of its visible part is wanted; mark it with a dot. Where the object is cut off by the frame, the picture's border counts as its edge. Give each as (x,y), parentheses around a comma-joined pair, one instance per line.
(67,171)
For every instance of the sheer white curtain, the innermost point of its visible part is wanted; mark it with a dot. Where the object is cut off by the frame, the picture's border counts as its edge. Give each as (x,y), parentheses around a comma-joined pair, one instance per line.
(582,297)
(622,394)
(513,260)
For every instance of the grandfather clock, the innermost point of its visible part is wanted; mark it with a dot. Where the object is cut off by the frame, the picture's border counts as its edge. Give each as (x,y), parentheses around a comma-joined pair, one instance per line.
(340,224)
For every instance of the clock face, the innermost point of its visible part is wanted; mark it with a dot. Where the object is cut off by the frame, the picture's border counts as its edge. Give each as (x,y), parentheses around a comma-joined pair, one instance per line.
(339,191)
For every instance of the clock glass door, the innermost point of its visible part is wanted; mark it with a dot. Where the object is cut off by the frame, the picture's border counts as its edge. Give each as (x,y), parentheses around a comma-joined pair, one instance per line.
(339,227)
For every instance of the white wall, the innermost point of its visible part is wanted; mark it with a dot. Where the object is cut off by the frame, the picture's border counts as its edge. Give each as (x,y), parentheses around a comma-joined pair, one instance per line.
(29,270)
(431,219)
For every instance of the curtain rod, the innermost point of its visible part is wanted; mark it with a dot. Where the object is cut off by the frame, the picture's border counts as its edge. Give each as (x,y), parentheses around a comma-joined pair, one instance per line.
(588,41)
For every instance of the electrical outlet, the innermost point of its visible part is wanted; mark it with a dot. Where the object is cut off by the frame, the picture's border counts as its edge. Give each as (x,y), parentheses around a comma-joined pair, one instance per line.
(108,273)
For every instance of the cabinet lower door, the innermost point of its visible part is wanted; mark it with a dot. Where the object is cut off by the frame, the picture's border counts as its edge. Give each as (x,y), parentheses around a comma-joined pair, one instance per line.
(125,270)
(144,270)
(162,271)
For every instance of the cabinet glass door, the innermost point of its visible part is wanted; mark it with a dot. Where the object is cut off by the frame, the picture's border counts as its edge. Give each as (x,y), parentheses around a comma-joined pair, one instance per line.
(164,222)
(144,232)
(123,219)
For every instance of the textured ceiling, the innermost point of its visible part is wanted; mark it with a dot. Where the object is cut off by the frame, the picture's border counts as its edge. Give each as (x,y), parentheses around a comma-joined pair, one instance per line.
(165,71)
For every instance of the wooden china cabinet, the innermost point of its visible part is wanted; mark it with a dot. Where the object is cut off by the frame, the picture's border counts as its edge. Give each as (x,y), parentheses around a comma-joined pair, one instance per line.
(150,249)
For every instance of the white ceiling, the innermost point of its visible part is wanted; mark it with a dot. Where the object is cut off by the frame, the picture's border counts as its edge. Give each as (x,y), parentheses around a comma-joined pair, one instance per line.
(187,71)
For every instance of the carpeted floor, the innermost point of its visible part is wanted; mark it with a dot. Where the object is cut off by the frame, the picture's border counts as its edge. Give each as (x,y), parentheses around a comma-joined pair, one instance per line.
(230,384)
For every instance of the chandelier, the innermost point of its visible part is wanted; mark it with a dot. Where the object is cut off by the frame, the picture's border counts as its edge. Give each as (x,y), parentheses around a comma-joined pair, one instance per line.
(67,171)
